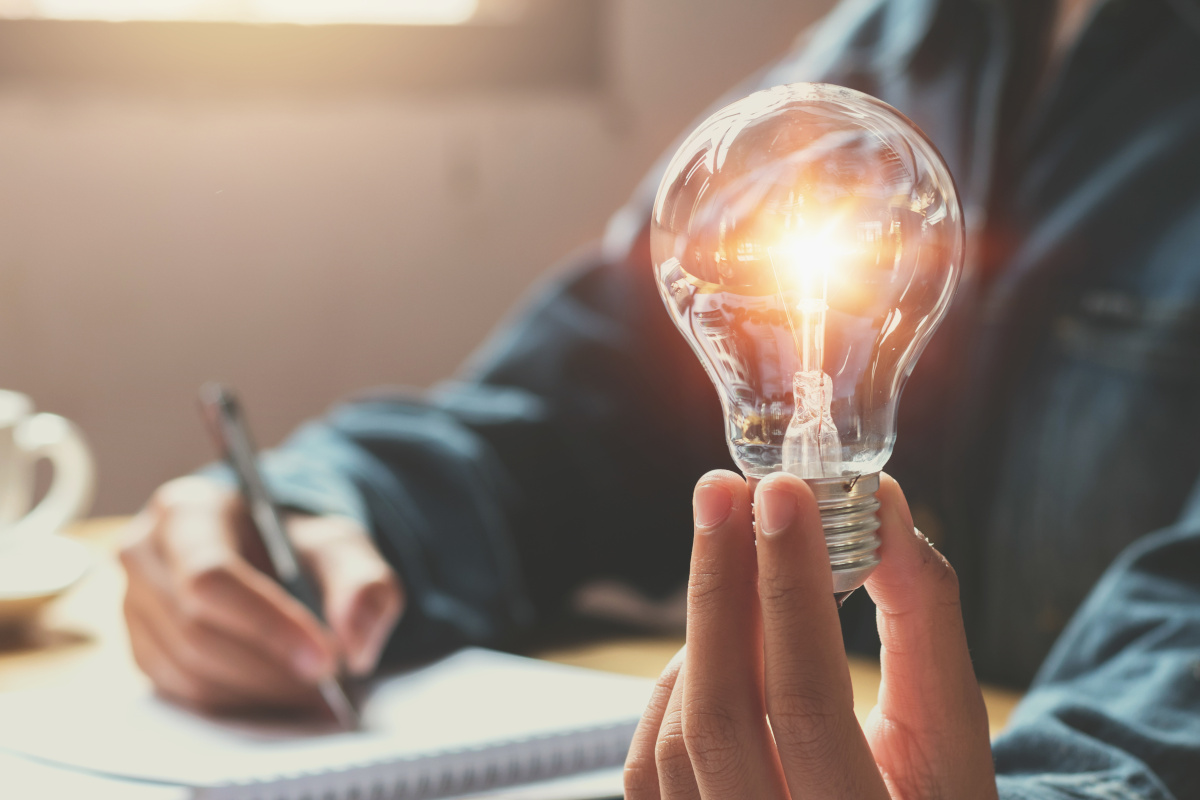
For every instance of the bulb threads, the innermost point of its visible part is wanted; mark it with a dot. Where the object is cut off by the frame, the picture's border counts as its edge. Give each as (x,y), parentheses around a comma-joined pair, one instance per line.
(848,505)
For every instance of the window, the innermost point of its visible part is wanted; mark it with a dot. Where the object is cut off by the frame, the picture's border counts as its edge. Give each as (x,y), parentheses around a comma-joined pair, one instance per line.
(302,47)
(304,12)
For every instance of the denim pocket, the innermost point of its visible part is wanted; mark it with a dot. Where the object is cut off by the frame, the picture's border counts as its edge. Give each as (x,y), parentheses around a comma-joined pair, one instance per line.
(1125,332)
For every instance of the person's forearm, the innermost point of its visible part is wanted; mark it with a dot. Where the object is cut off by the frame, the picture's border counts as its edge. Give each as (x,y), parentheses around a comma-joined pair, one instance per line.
(564,453)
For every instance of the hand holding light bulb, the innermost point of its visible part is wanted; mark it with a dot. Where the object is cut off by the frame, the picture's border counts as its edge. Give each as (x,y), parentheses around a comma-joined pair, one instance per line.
(807,241)
(760,705)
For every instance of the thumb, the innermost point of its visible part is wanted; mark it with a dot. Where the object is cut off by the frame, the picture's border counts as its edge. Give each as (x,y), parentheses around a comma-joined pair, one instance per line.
(928,686)
(361,594)
(916,593)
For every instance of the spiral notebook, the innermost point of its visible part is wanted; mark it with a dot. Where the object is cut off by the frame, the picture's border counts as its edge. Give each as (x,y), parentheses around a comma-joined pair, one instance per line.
(473,721)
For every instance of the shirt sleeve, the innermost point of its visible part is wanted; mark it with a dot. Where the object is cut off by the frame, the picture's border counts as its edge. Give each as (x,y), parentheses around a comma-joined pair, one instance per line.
(1115,709)
(566,451)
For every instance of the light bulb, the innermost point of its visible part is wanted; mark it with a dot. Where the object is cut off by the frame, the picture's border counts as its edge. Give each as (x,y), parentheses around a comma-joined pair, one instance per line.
(807,241)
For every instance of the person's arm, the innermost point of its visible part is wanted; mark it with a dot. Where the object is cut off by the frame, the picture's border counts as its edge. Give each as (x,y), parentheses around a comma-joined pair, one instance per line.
(1115,709)
(566,451)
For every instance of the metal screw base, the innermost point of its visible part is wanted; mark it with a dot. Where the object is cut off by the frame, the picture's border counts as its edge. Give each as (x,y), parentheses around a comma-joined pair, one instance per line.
(848,507)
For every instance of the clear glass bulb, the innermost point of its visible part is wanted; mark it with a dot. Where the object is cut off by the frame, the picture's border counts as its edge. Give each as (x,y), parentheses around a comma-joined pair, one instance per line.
(807,241)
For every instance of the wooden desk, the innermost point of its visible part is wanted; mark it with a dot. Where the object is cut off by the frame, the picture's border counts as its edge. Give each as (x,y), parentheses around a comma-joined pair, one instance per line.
(83,634)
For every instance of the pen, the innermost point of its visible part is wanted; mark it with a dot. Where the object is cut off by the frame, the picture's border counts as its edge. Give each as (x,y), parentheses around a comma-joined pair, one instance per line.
(227,424)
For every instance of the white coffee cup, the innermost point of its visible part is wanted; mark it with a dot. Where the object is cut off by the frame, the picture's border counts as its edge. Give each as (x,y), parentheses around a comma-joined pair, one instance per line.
(26,438)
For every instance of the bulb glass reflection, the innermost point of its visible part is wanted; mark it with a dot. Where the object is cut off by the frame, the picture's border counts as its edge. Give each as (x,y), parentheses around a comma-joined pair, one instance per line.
(807,240)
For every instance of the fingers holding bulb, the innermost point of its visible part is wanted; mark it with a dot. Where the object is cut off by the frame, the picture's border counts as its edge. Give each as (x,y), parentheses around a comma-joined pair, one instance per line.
(809,698)
(723,717)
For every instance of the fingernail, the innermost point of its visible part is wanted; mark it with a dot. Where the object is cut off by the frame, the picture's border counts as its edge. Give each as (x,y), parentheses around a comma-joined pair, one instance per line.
(776,510)
(310,663)
(712,505)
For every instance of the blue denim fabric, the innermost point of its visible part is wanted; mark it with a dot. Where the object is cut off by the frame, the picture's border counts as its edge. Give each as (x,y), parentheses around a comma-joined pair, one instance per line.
(1096,439)
(1050,425)
(1115,709)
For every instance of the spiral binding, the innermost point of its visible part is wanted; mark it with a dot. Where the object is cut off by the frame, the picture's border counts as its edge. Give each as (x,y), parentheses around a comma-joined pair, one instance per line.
(448,773)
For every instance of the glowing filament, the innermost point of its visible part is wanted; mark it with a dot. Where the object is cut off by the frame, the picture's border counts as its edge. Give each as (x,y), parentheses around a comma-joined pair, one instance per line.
(802,265)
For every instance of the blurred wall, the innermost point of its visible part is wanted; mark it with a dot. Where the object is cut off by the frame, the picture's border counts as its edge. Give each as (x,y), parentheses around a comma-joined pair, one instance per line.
(301,250)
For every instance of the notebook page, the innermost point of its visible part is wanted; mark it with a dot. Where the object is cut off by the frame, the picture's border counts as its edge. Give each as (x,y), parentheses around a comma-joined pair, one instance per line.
(468,701)
(24,779)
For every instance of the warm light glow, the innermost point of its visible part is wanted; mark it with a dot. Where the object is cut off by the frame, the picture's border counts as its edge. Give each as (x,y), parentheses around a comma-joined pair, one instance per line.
(807,254)
(303,12)
(803,265)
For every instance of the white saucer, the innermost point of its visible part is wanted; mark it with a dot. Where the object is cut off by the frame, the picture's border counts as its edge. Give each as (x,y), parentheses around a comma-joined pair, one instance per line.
(35,571)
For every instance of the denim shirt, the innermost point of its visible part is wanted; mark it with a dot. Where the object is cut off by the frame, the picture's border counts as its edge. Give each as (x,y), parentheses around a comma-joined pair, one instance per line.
(1048,427)
(1115,709)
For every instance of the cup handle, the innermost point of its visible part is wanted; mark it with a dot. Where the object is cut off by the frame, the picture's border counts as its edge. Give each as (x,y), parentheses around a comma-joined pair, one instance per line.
(70,494)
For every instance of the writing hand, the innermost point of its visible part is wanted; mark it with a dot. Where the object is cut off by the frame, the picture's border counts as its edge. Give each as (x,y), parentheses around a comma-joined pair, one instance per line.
(213,630)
